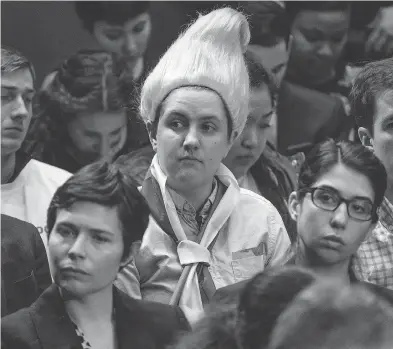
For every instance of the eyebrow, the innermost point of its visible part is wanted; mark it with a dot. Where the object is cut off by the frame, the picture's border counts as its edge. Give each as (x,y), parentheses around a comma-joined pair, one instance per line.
(115,131)
(278,67)
(100,231)
(14,88)
(339,192)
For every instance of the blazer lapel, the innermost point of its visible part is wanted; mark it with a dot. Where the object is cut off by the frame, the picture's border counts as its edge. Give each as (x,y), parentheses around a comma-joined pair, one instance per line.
(130,330)
(54,327)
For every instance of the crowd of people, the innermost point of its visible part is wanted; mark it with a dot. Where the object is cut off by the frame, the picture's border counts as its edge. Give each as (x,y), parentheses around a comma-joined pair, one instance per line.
(237,194)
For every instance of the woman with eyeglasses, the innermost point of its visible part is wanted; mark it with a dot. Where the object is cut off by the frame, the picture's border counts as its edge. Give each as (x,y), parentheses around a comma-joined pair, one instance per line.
(340,187)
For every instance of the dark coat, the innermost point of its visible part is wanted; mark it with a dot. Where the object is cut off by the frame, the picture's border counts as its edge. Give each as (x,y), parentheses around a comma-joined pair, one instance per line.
(306,116)
(24,265)
(46,325)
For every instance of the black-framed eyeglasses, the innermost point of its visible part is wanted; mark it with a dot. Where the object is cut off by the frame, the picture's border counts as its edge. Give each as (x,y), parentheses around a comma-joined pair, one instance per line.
(360,209)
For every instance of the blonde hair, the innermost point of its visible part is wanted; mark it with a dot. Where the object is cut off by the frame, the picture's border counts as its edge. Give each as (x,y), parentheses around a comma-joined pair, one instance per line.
(208,54)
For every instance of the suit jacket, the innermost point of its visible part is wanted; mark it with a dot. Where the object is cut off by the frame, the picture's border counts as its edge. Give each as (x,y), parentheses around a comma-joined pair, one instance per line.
(306,116)
(46,324)
(24,265)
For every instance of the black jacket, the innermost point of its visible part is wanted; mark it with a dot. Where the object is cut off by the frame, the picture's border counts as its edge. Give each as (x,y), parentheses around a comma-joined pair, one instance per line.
(24,265)
(46,325)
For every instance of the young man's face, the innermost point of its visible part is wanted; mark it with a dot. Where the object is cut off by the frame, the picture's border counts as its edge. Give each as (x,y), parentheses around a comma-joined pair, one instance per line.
(17,92)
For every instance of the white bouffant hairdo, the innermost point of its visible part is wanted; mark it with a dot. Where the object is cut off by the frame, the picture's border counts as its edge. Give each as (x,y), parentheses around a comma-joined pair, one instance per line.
(208,54)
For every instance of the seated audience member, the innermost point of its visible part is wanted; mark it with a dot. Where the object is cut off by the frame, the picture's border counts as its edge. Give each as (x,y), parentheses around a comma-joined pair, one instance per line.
(24,265)
(340,187)
(256,165)
(119,27)
(27,185)
(319,32)
(269,42)
(83,113)
(249,323)
(205,231)
(327,316)
(372,107)
(304,116)
(94,220)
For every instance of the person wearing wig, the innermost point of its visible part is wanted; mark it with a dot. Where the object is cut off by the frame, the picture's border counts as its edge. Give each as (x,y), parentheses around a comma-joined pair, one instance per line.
(341,185)
(205,231)
(83,114)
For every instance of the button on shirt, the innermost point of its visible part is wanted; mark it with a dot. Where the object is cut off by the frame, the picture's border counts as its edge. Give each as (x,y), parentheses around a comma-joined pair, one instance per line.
(374,259)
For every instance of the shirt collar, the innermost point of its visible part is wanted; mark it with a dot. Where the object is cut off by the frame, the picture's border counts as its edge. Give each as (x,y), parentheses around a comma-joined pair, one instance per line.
(183,205)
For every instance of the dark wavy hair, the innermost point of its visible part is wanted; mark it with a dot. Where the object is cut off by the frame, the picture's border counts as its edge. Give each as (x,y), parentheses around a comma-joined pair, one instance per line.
(113,12)
(263,300)
(372,81)
(333,315)
(12,60)
(327,154)
(268,20)
(106,184)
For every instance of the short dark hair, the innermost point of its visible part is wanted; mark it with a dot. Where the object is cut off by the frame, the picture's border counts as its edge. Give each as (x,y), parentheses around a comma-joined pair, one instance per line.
(259,76)
(330,315)
(106,184)
(370,83)
(12,60)
(268,20)
(327,154)
(264,298)
(113,12)
(295,7)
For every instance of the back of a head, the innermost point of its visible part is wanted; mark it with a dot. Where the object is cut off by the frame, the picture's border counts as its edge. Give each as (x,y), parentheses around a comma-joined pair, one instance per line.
(208,54)
(13,60)
(269,22)
(327,316)
(88,81)
(371,82)
(263,300)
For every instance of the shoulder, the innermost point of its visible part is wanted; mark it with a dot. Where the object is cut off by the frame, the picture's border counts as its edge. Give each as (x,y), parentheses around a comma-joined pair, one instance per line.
(156,317)
(17,330)
(250,200)
(9,223)
(54,174)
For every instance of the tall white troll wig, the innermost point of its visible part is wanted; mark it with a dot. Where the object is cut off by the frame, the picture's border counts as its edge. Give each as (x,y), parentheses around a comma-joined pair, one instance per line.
(208,54)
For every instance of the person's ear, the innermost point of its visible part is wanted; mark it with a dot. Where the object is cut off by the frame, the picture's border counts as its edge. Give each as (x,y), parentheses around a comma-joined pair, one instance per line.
(366,138)
(294,205)
(134,250)
(152,131)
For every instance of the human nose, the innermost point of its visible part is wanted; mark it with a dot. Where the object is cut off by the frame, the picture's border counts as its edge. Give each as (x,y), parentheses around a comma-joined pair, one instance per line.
(19,108)
(191,140)
(340,215)
(78,248)
(250,137)
(105,148)
(326,49)
(130,44)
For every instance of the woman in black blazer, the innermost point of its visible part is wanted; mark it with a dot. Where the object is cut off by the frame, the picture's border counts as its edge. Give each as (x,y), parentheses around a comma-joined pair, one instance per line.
(93,221)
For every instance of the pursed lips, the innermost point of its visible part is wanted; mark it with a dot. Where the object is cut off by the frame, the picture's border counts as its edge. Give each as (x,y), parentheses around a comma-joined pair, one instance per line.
(73,270)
